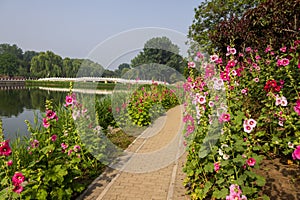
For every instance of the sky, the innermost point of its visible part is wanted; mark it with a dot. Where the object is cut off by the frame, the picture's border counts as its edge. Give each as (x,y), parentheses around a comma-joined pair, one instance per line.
(76,29)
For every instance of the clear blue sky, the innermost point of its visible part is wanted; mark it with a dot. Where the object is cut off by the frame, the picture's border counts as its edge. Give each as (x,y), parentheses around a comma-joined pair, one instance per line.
(73,28)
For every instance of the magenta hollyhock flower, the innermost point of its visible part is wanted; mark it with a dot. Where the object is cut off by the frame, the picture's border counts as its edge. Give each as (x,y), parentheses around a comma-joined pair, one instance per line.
(9,163)
(18,178)
(248,49)
(231,63)
(225,117)
(279,62)
(216,166)
(18,189)
(296,153)
(268,49)
(224,76)
(297,107)
(5,150)
(53,138)
(190,129)
(50,114)
(285,61)
(244,91)
(283,49)
(257,57)
(232,51)
(34,143)
(69,152)
(251,162)
(64,146)
(76,148)
(46,124)
(69,100)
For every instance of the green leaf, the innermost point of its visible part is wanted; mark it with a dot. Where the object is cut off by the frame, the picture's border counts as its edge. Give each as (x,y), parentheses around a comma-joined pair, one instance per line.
(219,194)
(209,167)
(42,194)
(265,197)
(260,180)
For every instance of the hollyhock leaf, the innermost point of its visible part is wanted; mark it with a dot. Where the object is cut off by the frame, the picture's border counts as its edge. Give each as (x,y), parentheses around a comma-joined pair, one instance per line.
(260,180)
(220,194)
(249,190)
(209,167)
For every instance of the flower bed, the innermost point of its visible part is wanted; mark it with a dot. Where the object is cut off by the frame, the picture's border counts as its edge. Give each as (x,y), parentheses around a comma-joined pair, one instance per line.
(242,108)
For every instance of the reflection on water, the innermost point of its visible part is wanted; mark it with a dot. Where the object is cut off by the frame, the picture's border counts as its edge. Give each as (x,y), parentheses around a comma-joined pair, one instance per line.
(17,105)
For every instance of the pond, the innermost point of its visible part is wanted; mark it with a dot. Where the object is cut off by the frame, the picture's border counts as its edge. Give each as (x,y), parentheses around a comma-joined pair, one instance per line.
(20,104)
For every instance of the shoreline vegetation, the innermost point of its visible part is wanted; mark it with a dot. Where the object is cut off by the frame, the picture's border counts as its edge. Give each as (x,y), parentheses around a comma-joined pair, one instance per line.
(66,84)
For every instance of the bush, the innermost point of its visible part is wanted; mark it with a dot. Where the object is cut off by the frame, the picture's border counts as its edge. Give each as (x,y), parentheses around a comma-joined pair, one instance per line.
(236,117)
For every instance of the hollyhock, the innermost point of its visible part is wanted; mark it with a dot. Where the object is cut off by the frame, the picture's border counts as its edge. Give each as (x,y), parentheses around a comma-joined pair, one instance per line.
(214,58)
(235,189)
(296,153)
(231,63)
(248,128)
(34,143)
(257,57)
(256,80)
(69,100)
(64,146)
(76,148)
(18,189)
(280,123)
(5,150)
(283,101)
(216,166)
(268,49)
(244,91)
(50,114)
(248,49)
(225,117)
(18,178)
(191,65)
(279,62)
(226,156)
(201,99)
(283,49)
(297,107)
(224,76)
(251,162)
(285,61)
(9,163)
(211,103)
(251,122)
(46,124)
(53,138)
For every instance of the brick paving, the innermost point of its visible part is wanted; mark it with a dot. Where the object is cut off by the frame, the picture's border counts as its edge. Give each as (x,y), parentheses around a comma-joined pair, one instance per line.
(153,167)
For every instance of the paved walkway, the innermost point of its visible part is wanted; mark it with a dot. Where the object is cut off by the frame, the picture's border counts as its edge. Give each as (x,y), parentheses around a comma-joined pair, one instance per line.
(151,167)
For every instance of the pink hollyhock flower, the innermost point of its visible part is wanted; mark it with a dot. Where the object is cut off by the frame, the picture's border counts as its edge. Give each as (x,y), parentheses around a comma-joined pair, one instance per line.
(69,100)
(251,122)
(53,138)
(297,107)
(214,58)
(235,189)
(280,123)
(191,65)
(257,57)
(9,163)
(248,49)
(232,51)
(18,178)
(18,189)
(231,63)
(46,124)
(248,128)
(285,61)
(279,62)
(69,152)
(224,76)
(267,49)
(256,80)
(189,129)
(251,162)
(225,117)
(50,114)
(211,103)
(283,101)
(244,91)
(34,143)
(5,150)
(296,153)
(76,148)
(201,99)
(216,166)
(283,49)
(64,146)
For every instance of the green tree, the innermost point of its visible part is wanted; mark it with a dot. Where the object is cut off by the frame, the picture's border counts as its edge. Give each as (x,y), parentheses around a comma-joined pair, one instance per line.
(213,12)
(46,65)
(160,50)
(9,64)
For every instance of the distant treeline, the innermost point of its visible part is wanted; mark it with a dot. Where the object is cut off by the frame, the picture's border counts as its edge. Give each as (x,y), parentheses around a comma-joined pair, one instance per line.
(31,64)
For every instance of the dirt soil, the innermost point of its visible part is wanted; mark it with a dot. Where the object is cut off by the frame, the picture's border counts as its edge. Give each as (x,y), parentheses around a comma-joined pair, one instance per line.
(282,179)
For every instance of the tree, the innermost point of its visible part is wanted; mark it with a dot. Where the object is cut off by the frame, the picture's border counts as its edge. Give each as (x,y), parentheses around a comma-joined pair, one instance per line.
(160,50)
(9,64)
(275,22)
(211,13)
(46,65)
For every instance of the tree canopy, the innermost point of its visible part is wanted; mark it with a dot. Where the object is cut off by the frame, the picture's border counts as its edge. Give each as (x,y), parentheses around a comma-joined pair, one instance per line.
(213,12)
